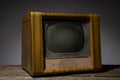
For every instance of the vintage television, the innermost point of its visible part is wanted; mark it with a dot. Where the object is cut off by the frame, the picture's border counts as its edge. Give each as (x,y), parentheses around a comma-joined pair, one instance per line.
(60,43)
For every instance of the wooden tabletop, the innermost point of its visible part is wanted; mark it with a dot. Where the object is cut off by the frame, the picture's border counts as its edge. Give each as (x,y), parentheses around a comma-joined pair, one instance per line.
(15,72)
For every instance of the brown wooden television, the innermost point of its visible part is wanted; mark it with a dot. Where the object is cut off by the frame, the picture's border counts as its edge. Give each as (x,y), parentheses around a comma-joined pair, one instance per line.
(60,43)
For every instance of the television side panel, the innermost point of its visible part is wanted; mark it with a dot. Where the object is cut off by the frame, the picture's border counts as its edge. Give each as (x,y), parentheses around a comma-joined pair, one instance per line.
(26,43)
(32,44)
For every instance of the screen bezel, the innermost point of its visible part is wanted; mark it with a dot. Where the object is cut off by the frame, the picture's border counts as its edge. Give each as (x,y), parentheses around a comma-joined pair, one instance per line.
(85,23)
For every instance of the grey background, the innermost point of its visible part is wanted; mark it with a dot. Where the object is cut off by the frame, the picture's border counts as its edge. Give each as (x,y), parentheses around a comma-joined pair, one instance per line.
(12,11)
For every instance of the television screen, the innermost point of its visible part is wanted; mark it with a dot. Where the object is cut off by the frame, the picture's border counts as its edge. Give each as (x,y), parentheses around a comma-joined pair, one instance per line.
(66,38)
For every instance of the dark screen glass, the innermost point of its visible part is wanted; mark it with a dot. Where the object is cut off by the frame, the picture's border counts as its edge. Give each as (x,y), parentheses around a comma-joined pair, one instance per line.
(64,37)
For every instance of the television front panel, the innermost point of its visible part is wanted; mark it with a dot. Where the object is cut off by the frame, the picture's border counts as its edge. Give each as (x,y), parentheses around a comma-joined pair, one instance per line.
(60,43)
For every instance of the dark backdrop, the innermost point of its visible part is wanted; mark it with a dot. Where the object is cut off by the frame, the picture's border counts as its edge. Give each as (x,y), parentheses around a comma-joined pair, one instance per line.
(12,11)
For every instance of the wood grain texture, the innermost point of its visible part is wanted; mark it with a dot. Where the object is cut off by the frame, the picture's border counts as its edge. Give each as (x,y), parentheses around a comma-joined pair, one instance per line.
(15,72)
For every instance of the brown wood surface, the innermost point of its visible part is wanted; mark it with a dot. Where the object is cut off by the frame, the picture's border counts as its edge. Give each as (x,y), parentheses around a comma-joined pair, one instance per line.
(15,72)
